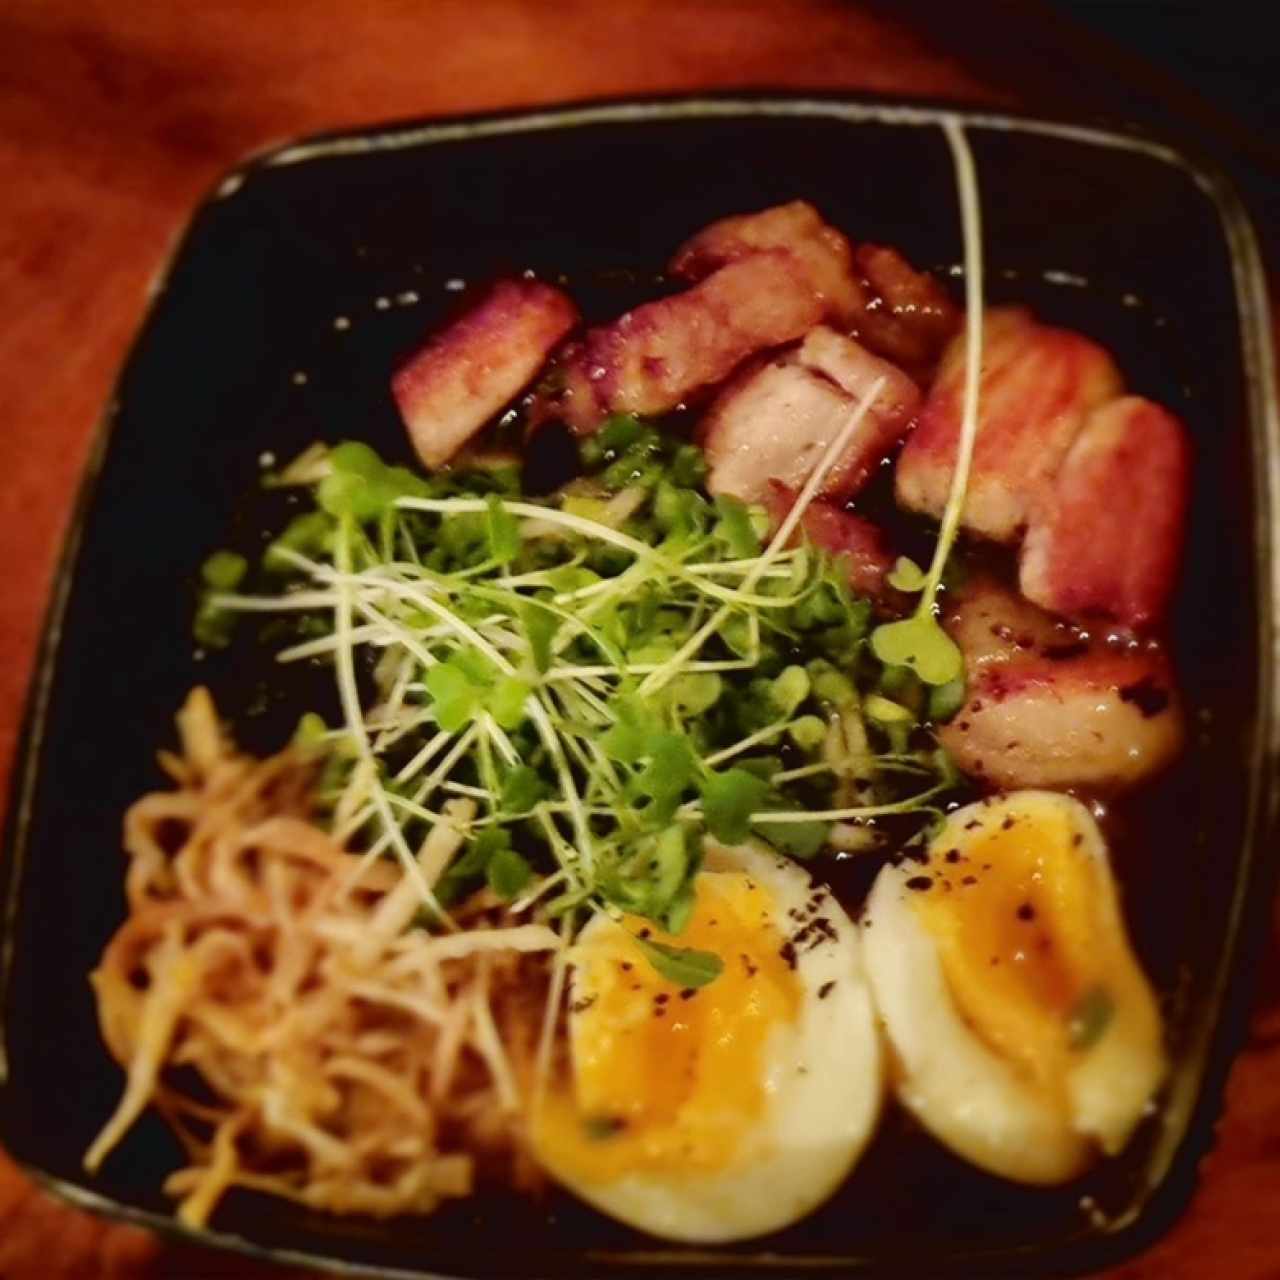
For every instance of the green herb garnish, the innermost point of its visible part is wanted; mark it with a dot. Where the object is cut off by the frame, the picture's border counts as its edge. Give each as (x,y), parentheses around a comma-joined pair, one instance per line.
(602,1128)
(683,966)
(609,678)
(919,642)
(222,572)
(508,873)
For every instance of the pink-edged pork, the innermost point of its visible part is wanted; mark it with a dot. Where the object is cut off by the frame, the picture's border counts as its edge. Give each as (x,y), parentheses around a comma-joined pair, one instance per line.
(862,546)
(775,421)
(1048,705)
(652,359)
(466,374)
(1038,384)
(1106,539)
(823,253)
(907,317)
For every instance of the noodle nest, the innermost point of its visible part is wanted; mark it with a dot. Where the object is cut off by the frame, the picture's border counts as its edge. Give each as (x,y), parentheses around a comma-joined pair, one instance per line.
(274,996)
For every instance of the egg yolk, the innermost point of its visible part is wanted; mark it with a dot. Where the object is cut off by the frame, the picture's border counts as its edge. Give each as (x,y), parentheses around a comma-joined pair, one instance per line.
(667,1078)
(1030,948)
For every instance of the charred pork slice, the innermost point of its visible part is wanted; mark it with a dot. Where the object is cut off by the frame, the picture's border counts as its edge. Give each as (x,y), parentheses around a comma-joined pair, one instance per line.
(463,376)
(908,317)
(992,624)
(863,546)
(1107,539)
(1049,706)
(1038,385)
(824,255)
(651,359)
(774,423)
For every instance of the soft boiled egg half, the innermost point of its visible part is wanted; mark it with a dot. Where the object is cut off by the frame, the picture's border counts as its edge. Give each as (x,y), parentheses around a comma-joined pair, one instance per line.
(1024,1035)
(728,1110)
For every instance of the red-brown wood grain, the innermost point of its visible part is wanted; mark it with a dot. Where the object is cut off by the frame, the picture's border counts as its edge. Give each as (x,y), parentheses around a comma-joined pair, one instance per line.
(115,118)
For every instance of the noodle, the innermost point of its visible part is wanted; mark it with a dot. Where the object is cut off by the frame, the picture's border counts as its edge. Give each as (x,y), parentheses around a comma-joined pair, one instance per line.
(301,1035)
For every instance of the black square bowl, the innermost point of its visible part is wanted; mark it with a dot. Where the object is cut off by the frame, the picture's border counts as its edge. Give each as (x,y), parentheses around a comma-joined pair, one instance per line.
(298,284)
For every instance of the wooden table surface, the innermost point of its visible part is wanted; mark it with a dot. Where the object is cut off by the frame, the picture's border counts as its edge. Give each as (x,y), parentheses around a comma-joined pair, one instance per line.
(116,117)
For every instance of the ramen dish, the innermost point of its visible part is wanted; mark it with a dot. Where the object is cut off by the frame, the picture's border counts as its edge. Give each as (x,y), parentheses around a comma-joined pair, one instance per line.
(838,570)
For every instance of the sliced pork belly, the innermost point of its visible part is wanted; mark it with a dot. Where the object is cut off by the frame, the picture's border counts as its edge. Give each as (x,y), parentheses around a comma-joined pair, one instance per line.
(1103,720)
(1038,385)
(992,624)
(908,316)
(1047,706)
(450,388)
(774,423)
(825,256)
(770,424)
(863,545)
(651,359)
(1106,539)
(872,292)
(854,369)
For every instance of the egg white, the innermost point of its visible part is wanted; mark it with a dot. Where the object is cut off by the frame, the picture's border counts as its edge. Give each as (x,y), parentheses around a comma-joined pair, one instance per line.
(962,1090)
(823,1087)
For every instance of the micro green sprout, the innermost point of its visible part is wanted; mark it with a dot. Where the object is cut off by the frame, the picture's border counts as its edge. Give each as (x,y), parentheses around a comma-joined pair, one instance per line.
(604,682)
(919,642)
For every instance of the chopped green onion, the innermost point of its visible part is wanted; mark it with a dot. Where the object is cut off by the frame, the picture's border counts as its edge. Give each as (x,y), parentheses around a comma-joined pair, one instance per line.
(1090,1019)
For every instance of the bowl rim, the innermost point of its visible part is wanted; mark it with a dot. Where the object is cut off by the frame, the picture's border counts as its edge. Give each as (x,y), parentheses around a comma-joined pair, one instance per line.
(1198,1099)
